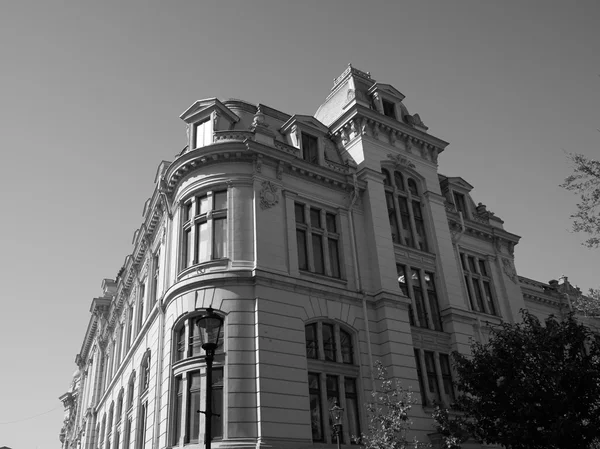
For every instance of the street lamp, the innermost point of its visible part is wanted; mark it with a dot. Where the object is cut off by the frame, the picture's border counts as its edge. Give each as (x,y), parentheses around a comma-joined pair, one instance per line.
(209,328)
(336,418)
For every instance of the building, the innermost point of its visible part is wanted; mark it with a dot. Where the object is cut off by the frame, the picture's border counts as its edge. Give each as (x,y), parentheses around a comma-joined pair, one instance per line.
(326,242)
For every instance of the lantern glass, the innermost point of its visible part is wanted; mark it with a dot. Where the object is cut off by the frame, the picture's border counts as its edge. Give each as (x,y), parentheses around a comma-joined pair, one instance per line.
(209,328)
(336,414)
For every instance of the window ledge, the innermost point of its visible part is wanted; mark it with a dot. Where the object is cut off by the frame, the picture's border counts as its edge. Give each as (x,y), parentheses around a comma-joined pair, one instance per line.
(199,268)
(324,277)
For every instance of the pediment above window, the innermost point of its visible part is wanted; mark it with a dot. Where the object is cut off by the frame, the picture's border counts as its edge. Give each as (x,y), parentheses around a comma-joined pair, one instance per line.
(203,108)
(387,91)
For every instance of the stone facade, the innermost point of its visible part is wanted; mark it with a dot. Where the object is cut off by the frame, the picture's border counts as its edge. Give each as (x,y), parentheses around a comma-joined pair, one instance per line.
(326,243)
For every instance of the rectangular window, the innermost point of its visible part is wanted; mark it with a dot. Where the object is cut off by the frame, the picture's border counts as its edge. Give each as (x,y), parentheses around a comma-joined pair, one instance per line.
(447,378)
(432,380)
(316,421)
(478,284)
(127,434)
(193,417)
(405,219)
(178,405)
(459,202)
(317,247)
(202,242)
(188,251)
(302,253)
(420,377)
(333,397)
(310,148)
(220,238)
(389,109)
(419,226)
(203,133)
(419,300)
(312,343)
(322,241)
(217,403)
(141,442)
(433,302)
(352,409)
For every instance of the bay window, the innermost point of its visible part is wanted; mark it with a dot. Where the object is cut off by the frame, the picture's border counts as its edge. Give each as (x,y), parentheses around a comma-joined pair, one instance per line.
(204,228)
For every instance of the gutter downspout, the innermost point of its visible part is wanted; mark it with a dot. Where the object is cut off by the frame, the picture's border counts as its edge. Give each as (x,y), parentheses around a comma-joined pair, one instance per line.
(357,277)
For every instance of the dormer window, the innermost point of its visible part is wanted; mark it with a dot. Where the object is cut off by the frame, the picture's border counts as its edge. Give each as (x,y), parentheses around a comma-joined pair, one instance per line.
(203,133)
(459,202)
(310,148)
(389,109)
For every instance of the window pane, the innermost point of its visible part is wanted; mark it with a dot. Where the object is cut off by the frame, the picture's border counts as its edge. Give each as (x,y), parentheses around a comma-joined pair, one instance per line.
(419,300)
(389,198)
(333,397)
(412,187)
(402,279)
(188,256)
(302,256)
(346,346)
(220,242)
(419,225)
(310,148)
(334,258)
(482,267)
(447,378)
(488,297)
(299,211)
(331,224)
(312,343)
(398,181)
(389,109)
(405,218)
(202,204)
(203,134)
(220,200)
(352,408)
(459,202)
(433,302)
(317,247)
(329,342)
(202,241)
(178,410)
(217,403)
(314,390)
(471,260)
(420,376)
(469,293)
(315,218)
(195,340)
(462,261)
(478,294)
(181,344)
(187,211)
(387,180)
(193,418)
(432,375)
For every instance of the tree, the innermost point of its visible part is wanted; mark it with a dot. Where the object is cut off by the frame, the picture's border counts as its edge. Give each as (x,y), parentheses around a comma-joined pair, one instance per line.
(389,421)
(532,386)
(585,181)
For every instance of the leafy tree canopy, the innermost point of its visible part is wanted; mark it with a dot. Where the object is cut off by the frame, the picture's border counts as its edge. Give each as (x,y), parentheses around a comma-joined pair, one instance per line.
(585,181)
(531,386)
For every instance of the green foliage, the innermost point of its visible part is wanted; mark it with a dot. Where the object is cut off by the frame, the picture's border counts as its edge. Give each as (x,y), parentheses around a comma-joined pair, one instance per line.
(585,181)
(453,430)
(389,421)
(532,386)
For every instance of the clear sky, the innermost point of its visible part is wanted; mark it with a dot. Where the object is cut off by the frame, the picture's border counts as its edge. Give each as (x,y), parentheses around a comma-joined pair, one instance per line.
(91,92)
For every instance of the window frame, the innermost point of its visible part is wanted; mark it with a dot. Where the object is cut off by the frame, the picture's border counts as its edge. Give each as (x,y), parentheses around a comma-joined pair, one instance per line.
(321,243)
(324,370)
(437,376)
(405,204)
(424,299)
(207,132)
(312,155)
(193,217)
(391,113)
(481,299)
(183,368)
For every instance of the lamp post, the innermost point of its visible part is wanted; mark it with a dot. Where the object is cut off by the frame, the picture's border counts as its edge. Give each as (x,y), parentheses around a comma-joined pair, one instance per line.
(336,418)
(209,328)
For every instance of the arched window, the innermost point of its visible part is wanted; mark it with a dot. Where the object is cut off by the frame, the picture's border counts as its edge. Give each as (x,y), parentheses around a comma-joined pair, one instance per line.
(189,381)
(130,388)
(387,181)
(120,406)
(145,373)
(110,425)
(405,212)
(332,378)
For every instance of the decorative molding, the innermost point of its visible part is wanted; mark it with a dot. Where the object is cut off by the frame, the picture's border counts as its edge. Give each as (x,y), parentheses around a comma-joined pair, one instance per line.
(400,161)
(509,270)
(269,196)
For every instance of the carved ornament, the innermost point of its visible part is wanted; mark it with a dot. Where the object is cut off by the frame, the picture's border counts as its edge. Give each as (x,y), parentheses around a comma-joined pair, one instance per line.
(269,196)
(400,161)
(509,270)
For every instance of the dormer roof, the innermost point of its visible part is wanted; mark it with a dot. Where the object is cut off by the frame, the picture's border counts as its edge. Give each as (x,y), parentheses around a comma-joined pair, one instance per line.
(457,181)
(387,89)
(307,120)
(206,105)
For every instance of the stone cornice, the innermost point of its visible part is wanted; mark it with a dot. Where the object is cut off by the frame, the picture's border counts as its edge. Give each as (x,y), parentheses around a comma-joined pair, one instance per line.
(358,120)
